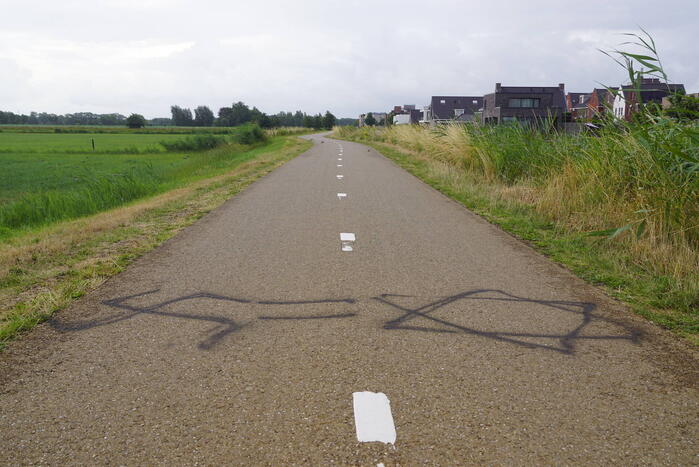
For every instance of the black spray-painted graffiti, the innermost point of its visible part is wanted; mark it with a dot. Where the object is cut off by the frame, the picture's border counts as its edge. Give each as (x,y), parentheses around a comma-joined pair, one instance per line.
(423,318)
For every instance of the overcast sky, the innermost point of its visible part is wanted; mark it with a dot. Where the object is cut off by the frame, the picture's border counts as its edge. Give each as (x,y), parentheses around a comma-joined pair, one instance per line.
(344,56)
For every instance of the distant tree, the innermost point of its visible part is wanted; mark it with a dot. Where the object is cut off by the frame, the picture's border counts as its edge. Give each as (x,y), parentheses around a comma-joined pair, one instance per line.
(240,113)
(298,119)
(135,121)
(160,121)
(265,121)
(111,119)
(235,115)
(255,114)
(329,120)
(369,119)
(317,122)
(203,116)
(181,117)
(307,121)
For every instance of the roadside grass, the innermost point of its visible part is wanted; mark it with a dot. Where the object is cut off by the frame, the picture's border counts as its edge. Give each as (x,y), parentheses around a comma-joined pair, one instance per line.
(44,269)
(554,201)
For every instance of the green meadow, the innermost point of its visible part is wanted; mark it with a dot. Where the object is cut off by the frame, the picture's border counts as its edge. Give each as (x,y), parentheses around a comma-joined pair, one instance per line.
(56,143)
(56,175)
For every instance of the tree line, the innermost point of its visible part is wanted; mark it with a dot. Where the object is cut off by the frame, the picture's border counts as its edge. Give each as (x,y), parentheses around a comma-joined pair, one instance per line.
(202,116)
(239,113)
(79,118)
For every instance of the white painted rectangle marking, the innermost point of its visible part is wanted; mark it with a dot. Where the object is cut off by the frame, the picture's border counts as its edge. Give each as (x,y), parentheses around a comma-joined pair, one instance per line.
(346,246)
(347,237)
(372,417)
(340,176)
(342,195)
(339,165)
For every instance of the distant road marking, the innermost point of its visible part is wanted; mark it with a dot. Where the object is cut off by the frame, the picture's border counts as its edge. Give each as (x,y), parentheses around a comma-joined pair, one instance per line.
(340,176)
(346,240)
(339,165)
(342,195)
(339,158)
(372,417)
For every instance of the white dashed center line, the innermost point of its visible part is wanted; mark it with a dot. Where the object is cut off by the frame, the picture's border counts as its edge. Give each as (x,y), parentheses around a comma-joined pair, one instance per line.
(339,165)
(340,176)
(342,195)
(346,239)
(372,417)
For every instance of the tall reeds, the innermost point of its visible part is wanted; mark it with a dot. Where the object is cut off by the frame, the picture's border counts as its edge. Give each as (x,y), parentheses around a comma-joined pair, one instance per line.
(632,186)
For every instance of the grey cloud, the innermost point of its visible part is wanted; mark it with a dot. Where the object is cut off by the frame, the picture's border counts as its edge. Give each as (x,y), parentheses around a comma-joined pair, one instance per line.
(345,56)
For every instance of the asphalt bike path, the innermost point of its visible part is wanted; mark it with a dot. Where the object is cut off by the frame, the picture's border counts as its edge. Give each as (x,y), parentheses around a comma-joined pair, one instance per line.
(341,311)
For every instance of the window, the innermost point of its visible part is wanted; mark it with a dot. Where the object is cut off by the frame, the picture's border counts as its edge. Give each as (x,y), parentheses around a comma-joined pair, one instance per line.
(524,102)
(458,112)
(475,101)
(443,101)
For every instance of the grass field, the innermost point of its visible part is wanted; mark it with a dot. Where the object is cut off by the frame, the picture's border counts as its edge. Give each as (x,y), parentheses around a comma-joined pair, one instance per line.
(58,143)
(48,177)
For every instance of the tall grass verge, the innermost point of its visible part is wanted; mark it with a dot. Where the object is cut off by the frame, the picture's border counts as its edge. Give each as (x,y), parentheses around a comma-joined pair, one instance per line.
(629,196)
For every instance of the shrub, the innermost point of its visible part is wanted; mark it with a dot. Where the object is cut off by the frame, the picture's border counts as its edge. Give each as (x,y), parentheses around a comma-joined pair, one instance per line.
(194,143)
(250,134)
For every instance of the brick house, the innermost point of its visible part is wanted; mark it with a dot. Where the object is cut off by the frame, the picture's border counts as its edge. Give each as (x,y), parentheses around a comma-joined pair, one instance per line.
(601,100)
(525,104)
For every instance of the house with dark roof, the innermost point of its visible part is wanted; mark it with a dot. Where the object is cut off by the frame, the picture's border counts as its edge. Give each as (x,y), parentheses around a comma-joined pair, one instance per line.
(651,90)
(576,105)
(444,109)
(524,104)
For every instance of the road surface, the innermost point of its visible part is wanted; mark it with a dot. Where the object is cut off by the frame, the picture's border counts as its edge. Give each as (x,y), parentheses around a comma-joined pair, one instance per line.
(258,335)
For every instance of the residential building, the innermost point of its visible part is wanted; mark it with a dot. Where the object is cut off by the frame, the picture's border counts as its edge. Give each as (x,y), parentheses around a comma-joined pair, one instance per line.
(576,105)
(526,104)
(601,101)
(406,115)
(651,90)
(444,109)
